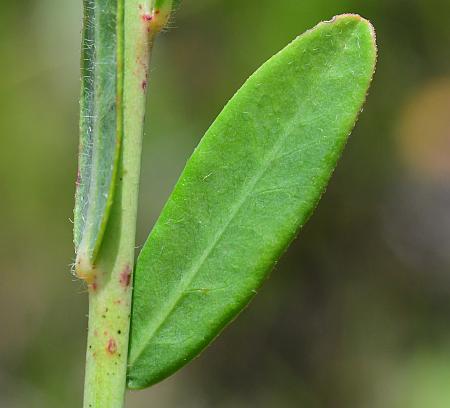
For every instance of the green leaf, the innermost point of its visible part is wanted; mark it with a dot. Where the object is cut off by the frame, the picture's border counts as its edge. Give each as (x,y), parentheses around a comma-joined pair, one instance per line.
(166,4)
(250,185)
(161,13)
(99,138)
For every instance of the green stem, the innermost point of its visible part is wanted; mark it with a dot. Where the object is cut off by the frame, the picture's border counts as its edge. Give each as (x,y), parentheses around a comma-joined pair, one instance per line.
(117,40)
(110,292)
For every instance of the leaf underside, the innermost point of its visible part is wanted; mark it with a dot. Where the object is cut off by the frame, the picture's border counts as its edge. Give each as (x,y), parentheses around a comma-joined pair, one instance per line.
(99,139)
(248,188)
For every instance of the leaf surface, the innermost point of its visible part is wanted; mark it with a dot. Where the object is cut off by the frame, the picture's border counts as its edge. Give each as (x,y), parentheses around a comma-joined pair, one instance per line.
(99,139)
(248,188)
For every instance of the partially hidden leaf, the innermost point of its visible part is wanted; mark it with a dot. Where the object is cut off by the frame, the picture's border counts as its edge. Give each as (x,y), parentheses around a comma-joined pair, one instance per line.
(160,14)
(250,185)
(99,139)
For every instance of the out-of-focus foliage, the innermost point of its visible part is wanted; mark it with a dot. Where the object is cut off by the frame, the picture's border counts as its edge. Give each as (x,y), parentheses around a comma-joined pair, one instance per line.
(356,314)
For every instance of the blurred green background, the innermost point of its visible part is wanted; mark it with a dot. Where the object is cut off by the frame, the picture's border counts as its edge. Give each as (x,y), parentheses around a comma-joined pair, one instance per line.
(357,314)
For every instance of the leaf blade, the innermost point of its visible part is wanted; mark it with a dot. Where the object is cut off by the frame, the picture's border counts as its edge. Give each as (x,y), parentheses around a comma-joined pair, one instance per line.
(251,184)
(100,139)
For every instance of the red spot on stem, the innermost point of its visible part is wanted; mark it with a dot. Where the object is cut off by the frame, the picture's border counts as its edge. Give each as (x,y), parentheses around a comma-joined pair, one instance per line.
(93,286)
(111,347)
(125,277)
(144,85)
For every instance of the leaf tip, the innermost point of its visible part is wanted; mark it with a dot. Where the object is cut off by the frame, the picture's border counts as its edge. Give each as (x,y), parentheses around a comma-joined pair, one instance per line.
(84,268)
(356,18)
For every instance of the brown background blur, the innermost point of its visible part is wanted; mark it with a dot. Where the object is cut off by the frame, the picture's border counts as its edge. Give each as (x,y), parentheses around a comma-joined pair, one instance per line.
(357,314)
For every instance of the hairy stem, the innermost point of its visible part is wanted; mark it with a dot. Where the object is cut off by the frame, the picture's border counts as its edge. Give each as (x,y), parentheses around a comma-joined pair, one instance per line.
(117,39)
(110,288)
